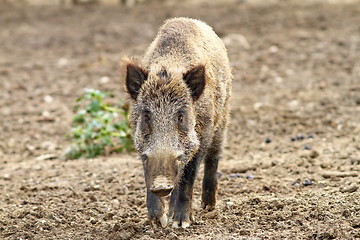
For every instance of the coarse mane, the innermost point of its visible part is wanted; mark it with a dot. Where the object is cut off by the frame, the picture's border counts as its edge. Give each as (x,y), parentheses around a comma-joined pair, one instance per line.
(165,88)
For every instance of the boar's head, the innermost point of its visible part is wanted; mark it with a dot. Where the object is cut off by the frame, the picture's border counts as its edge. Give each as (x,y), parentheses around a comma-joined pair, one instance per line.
(163,119)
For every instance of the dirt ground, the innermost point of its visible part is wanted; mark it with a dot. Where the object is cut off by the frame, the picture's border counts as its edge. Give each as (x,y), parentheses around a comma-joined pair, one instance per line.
(292,161)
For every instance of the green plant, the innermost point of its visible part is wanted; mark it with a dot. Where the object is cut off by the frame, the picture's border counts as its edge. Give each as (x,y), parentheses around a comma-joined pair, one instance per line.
(98,127)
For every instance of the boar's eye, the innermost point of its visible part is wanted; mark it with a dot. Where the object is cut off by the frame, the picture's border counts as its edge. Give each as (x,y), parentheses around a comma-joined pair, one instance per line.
(180,117)
(182,120)
(146,116)
(145,123)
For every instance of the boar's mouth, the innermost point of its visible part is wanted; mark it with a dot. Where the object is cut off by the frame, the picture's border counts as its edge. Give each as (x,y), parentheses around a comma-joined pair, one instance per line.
(162,186)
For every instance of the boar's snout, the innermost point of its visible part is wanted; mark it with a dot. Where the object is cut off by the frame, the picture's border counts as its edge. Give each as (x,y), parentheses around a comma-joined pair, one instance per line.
(161,170)
(162,186)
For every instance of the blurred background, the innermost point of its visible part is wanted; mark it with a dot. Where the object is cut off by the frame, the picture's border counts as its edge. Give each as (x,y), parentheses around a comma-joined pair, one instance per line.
(292,160)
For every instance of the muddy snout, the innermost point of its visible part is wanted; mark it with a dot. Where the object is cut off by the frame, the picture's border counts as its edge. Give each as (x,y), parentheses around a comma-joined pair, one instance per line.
(162,186)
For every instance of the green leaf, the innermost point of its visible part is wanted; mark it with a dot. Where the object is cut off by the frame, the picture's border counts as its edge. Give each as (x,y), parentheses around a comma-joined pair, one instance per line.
(96,126)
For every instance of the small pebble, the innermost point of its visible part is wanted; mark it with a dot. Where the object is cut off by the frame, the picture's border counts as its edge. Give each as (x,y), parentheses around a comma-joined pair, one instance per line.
(104,79)
(229,203)
(273,49)
(62,62)
(249,176)
(300,137)
(48,99)
(296,184)
(93,220)
(351,188)
(307,182)
(268,140)
(314,154)
(6,176)
(310,136)
(123,190)
(42,221)
(234,175)
(307,147)
(115,202)
(293,139)
(49,156)
(219,174)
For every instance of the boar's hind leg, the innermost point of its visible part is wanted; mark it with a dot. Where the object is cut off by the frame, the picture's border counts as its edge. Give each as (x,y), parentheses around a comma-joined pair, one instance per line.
(209,186)
(155,207)
(181,198)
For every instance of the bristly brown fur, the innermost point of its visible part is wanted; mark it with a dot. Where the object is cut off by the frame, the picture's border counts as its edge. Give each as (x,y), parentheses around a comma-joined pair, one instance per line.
(179,113)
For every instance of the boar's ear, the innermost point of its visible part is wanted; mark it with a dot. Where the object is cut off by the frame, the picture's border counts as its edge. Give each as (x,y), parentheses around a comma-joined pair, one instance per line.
(195,79)
(135,77)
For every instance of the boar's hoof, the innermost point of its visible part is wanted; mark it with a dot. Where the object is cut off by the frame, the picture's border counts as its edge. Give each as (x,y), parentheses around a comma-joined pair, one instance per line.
(163,221)
(183,224)
(208,207)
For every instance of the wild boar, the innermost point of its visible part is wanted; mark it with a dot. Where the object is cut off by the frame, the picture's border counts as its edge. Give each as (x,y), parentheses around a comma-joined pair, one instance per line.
(179,108)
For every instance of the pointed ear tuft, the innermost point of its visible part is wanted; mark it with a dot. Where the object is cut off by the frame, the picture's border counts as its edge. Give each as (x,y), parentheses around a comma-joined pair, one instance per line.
(195,79)
(135,76)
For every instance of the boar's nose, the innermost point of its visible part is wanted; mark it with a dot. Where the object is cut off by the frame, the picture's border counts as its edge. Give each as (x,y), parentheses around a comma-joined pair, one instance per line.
(162,191)
(161,187)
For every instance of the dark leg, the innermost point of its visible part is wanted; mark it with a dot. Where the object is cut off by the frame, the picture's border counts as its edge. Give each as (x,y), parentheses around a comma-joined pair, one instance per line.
(181,199)
(210,184)
(173,200)
(155,206)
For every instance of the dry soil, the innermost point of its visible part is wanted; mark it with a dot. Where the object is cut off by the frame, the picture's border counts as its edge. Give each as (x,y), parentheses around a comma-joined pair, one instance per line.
(291,165)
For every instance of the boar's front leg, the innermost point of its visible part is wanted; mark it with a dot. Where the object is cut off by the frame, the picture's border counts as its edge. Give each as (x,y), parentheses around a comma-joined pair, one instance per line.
(156,213)
(181,198)
(210,183)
